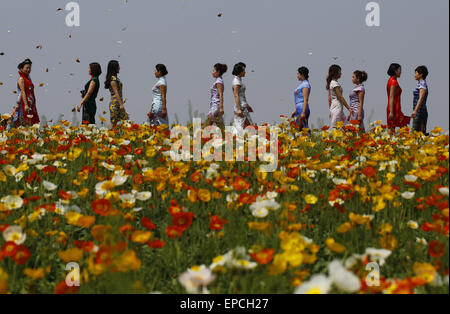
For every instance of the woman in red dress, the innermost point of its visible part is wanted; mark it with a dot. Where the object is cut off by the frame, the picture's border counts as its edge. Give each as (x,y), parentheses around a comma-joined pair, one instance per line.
(27,112)
(395,117)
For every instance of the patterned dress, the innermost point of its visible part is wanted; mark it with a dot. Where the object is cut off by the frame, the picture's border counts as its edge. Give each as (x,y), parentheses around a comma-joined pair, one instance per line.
(422,115)
(300,102)
(157,104)
(20,116)
(336,108)
(117,114)
(213,114)
(399,119)
(355,105)
(239,122)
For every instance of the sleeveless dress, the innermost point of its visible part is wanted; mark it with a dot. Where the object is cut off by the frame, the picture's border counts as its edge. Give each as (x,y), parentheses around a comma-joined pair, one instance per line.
(117,114)
(355,105)
(90,106)
(157,104)
(21,117)
(239,122)
(300,101)
(336,108)
(213,113)
(399,119)
(422,115)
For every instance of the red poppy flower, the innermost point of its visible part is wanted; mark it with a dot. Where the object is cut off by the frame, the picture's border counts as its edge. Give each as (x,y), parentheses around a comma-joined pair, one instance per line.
(33,177)
(174,231)
(156,244)
(9,248)
(369,171)
(63,288)
(147,223)
(22,255)
(436,249)
(182,220)
(64,195)
(216,223)
(49,169)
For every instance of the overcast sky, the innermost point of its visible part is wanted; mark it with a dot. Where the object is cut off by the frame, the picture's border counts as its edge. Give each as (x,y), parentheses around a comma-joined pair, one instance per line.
(273,37)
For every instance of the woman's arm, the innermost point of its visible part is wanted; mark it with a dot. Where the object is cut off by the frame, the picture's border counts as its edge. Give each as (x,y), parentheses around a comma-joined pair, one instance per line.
(115,89)
(23,95)
(329,98)
(305,92)
(391,102)
(88,94)
(163,89)
(220,90)
(422,93)
(337,90)
(236,89)
(361,95)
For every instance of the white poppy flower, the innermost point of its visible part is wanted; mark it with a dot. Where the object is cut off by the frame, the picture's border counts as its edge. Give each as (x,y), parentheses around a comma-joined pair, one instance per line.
(343,279)
(14,234)
(12,201)
(318,284)
(49,186)
(408,195)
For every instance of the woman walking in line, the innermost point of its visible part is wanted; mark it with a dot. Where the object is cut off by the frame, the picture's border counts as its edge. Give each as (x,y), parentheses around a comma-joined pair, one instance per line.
(242,109)
(89,94)
(216,112)
(336,101)
(395,117)
(357,96)
(158,113)
(25,111)
(115,87)
(420,113)
(301,97)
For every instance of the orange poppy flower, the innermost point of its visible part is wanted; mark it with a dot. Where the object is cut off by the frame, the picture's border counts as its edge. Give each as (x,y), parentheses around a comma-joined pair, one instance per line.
(156,244)
(103,207)
(240,184)
(369,171)
(263,256)
(147,223)
(22,255)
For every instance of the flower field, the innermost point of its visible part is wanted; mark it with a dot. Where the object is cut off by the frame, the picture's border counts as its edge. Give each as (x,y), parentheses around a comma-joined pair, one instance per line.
(345,212)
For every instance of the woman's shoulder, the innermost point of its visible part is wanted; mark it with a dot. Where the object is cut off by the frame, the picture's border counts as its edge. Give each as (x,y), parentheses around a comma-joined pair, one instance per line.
(393,81)
(334,84)
(422,84)
(305,84)
(359,88)
(236,81)
(219,80)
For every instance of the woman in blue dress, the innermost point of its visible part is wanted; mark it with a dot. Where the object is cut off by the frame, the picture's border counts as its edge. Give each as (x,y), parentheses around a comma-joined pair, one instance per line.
(301,96)
(158,113)
(420,113)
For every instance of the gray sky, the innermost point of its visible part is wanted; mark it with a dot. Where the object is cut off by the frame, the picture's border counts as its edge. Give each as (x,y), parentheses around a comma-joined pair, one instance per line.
(273,37)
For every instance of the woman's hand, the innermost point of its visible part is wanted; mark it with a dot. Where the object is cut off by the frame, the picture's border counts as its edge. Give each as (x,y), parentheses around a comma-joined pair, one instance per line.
(303,116)
(360,118)
(150,115)
(391,116)
(239,113)
(349,116)
(79,107)
(221,112)
(414,114)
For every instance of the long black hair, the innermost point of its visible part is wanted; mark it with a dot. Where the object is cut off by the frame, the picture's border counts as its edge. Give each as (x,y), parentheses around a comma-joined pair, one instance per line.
(333,72)
(113,69)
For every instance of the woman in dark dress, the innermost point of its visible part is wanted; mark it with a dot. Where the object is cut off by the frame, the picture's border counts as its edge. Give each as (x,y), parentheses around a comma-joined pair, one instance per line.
(90,94)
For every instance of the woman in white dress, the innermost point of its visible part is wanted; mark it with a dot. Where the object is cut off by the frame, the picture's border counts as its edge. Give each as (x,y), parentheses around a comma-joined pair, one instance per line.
(242,110)
(336,101)
(158,112)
